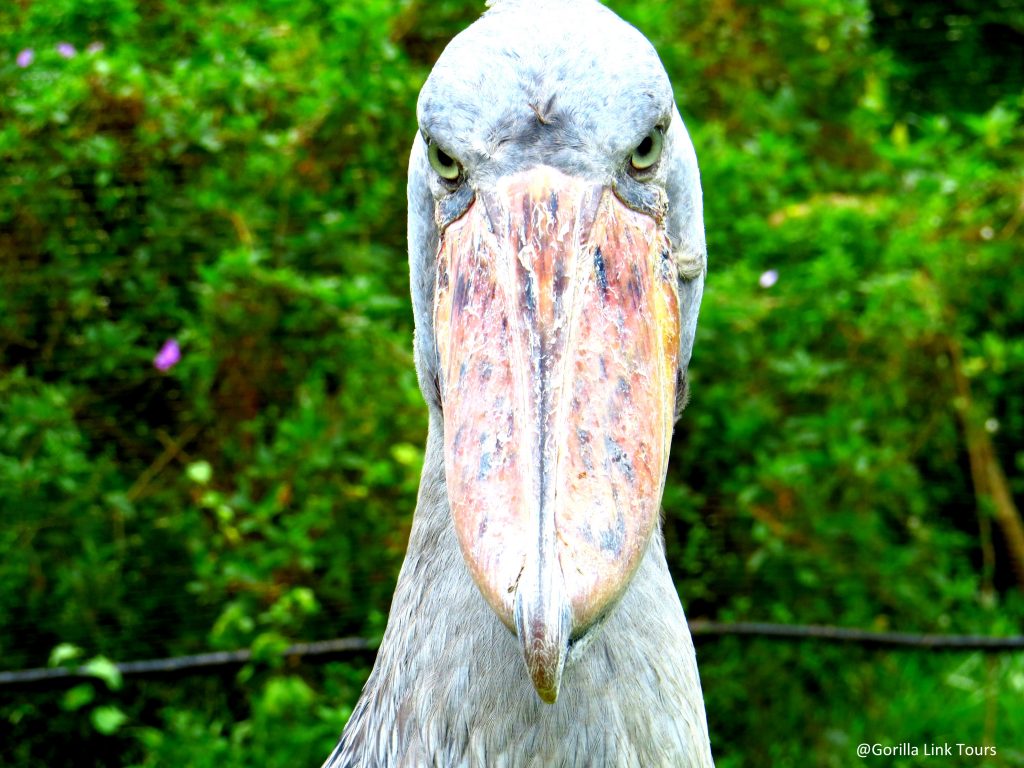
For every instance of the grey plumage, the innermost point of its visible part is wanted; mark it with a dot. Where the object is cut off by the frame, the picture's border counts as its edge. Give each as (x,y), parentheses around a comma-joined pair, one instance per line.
(567,84)
(449,689)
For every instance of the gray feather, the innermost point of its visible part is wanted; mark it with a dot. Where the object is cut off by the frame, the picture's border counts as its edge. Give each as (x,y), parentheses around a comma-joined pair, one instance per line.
(449,688)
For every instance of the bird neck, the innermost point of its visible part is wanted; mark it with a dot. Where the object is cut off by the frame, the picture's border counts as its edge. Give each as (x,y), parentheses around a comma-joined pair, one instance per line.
(449,686)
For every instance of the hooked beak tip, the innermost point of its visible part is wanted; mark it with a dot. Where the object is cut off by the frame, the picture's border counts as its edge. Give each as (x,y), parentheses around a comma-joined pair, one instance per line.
(544,625)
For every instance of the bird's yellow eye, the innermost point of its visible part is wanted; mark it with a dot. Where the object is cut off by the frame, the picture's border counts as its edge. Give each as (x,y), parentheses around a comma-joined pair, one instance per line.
(648,151)
(446,166)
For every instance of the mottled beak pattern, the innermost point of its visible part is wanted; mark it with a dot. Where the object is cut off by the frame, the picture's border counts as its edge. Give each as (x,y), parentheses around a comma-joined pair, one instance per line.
(557,325)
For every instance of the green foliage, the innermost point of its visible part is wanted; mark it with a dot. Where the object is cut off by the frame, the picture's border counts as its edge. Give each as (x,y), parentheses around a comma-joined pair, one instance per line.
(231,175)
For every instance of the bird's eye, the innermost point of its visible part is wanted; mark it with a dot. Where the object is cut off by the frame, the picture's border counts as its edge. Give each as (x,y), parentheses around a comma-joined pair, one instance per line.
(648,151)
(446,166)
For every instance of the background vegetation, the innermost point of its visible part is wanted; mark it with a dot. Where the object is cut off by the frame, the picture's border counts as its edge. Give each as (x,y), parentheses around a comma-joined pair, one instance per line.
(230,175)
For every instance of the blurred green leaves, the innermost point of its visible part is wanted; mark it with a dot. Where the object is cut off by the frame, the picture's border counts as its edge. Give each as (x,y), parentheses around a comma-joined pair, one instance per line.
(232,175)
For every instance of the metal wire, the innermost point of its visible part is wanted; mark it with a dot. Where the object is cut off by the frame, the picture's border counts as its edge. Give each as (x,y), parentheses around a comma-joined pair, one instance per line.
(195,663)
(204,662)
(909,640)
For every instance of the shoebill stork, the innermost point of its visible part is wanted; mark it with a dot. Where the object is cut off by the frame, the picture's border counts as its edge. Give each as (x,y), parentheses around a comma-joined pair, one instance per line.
(557,255)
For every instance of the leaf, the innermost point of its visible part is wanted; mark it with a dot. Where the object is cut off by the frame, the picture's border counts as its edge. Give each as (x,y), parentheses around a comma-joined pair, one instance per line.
(200,472)
(108,720)
(63,653)
(105,670)
(77,697)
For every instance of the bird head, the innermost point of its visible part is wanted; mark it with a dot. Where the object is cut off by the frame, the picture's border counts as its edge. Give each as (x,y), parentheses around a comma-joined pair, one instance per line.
(558,255)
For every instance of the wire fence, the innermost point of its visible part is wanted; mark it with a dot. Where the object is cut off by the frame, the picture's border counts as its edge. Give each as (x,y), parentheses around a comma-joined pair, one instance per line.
(204,663)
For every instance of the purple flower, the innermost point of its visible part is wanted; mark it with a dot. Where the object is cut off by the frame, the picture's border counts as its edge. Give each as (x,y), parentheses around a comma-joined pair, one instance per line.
(768,278)
(67,50)
(168,356)
(25,57)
